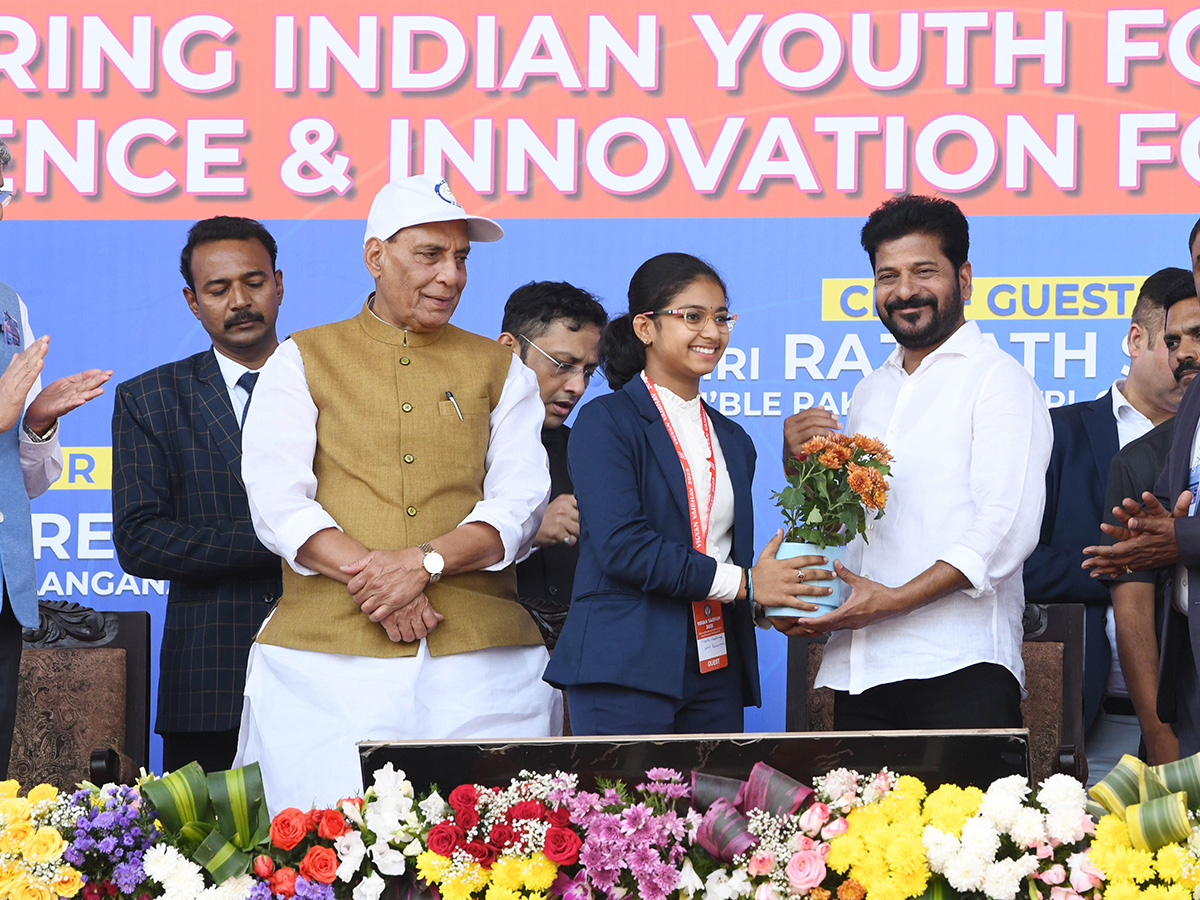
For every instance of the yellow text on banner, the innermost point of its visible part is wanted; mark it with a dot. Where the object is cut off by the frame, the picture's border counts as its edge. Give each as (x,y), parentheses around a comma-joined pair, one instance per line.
(1063,297)
(85,469)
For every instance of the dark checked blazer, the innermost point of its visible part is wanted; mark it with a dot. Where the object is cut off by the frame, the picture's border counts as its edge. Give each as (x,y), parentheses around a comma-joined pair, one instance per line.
(180,513)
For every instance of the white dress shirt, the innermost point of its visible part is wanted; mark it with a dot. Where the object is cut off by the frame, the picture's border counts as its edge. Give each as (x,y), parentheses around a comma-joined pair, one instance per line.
(280,440)
(685,419)
(41,461)
(971,439)
(231,371)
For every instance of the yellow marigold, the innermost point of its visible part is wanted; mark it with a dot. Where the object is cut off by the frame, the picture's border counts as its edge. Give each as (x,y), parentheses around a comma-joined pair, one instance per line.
(466,879)
(8,789)
(909,786)
(1169,860)
(1122,890)
(432,867)
(42,792)
(841,854)
(14,836)
(1167,892)
(44,845)
(948,807)
(539,873)
(495,892)
(506,873)
(847,890)
(67,882)
(906,856)
(1121,864)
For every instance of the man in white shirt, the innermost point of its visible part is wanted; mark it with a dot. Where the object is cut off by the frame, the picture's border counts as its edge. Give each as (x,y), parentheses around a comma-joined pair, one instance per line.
(30,461)
(179,506)
(930,633)
(394,461)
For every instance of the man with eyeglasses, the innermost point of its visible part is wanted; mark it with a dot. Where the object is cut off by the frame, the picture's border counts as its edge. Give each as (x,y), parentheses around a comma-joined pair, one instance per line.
(554,327)
(30,461)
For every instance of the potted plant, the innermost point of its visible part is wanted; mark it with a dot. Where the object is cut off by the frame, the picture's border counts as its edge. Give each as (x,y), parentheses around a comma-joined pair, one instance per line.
(832,484)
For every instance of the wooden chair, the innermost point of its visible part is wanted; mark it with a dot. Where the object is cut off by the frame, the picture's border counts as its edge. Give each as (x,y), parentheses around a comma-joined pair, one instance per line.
(83,703)
(1053,711)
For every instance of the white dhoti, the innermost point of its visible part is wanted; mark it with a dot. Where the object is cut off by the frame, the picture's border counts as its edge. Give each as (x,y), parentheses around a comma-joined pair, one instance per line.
(305,711)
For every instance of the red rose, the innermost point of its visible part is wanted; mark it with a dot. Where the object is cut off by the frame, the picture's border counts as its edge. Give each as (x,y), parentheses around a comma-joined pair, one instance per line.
(284,881)
(288,829)
(561,846)
(527,809)
(110,888)
(90,891)
(264,866)
(560,816)
(319,864)
(467,817)
(463,796)
(444,837)
(332,825)
(479,852)
(502,834)
(312,817)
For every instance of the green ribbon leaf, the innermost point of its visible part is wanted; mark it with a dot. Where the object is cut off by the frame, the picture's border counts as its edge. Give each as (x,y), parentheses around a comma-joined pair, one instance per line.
(1120,787)
(180,798)
(221,858)
(1159,822)
(237,798)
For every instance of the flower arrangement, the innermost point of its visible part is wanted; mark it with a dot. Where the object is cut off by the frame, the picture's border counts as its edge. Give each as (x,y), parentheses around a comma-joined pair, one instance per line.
(878,836)
(32,849)
(831,484)
(502,844)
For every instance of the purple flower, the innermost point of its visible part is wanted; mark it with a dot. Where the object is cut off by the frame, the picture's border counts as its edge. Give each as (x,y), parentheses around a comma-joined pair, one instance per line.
(642,861)
(312,890)
(662,773)
(611,797)
(606,829)
(634,818)
(108,845)
(261,891)
(571,888)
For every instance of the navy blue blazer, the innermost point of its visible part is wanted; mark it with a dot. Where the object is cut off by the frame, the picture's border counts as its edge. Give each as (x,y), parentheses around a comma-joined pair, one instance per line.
(631,615)
(1085,441)
(1178,673)
(180,512)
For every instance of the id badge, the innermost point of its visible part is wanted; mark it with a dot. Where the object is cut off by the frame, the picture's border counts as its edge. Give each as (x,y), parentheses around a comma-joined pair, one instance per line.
(12,331)
(710,635)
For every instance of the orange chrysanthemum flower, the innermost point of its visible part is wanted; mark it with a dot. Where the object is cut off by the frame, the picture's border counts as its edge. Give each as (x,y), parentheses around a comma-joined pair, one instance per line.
(851,890)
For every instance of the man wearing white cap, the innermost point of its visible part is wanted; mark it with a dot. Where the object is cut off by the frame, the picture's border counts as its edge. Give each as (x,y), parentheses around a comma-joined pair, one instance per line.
(394,461)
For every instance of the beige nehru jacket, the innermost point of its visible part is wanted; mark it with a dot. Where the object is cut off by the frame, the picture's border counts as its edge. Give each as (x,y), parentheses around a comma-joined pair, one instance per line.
(396,466)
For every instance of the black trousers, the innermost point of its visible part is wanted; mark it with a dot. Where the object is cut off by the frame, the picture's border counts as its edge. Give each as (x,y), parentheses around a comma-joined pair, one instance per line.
(984,695)
(214,750)
(10,670)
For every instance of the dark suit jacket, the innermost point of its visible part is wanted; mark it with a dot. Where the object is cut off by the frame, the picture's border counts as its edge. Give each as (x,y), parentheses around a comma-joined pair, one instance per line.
(180,512)
(1178,677)
(631,614)
(1085,441)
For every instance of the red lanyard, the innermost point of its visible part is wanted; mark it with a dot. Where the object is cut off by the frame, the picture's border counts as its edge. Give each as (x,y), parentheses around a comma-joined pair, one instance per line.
(699,527)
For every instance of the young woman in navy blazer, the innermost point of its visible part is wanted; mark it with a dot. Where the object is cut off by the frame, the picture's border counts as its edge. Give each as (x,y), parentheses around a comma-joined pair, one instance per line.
(643,460)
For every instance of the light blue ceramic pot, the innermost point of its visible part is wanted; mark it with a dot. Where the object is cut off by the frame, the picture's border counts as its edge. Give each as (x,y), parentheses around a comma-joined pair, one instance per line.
(788,550)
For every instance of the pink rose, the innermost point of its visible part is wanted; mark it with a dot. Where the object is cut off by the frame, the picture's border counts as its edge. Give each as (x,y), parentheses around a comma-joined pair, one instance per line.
(1062,893)
(1056,874)
(813,819)
(766,891)
(803,842)
(835,828)
(1044,851)
(823,849)
(805,870)
(761,862)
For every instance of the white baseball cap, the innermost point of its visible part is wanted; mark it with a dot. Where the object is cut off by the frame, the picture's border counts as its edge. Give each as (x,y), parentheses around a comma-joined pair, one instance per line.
(420,199)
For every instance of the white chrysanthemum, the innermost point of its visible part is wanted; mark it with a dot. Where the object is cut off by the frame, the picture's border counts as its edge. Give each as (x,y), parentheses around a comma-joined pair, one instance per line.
(964,872)
(980,838)
(1066,826)
(1062,793)
(940,847)
(180,877)
(1002,880)
(370,888)
(237,888)
(387,860)
(1028,827)
(1003,801)
(350,851)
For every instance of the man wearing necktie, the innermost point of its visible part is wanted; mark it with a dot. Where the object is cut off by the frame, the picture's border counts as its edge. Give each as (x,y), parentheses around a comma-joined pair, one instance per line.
(179,505)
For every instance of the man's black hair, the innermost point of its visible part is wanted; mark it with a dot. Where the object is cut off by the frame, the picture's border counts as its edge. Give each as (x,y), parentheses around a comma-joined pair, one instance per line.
(223,228)
(532,308)
(919,214)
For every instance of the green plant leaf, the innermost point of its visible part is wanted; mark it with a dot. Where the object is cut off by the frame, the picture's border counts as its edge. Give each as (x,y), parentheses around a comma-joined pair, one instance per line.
(180,798)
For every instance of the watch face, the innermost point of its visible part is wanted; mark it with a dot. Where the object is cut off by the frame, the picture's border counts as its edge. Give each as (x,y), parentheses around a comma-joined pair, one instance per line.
(434,563)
